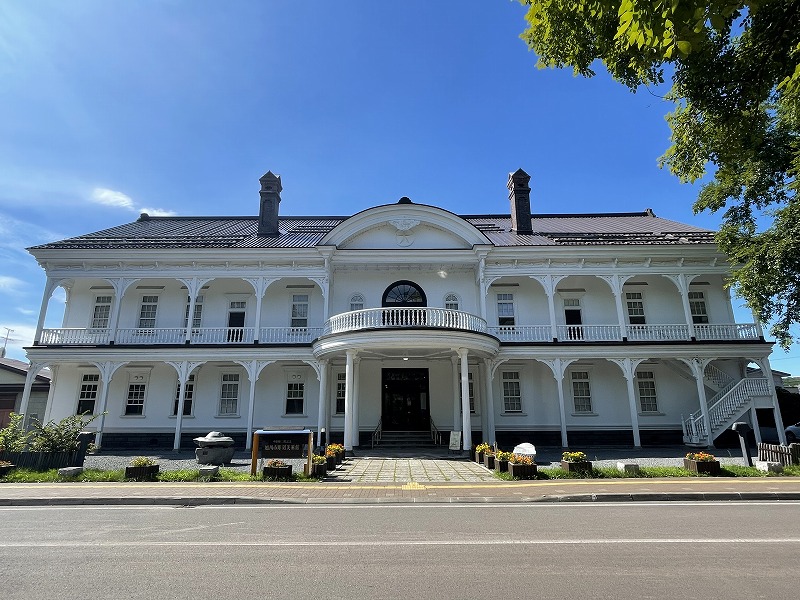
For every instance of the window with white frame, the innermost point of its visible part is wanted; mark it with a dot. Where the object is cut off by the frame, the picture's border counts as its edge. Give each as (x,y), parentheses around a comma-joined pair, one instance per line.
(505,310)
(229,394)
(452,302)
(697,306)
(581,392)
(635,304)
(88,394)
(188,396)
(646,384)
(471,388)
(299,310)
(341,390)
(357,302)
(102,312)
(197,318)
(295,394)
(147,312)
(137,392)
(512,393)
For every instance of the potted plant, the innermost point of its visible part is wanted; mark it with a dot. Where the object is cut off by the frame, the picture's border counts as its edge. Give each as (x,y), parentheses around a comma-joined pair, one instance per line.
(488,459)
(480,450)
(142,468)
(501,459)
(521,466)
(338,449)
(330,457)
(701,463)
(319,466)
(5,467)
(277,469)
(575,462)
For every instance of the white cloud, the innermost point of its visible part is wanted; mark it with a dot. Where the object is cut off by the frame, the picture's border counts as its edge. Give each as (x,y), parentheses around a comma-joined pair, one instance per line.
(158,212)
(10,285)
(26,311)
(112,198)
(19,336)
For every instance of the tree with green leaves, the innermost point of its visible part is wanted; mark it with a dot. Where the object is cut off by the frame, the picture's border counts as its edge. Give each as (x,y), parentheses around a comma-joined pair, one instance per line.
(735,74)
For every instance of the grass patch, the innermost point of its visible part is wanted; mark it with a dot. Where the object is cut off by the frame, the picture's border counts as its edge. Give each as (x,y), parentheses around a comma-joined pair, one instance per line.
(793,471)
(52,476)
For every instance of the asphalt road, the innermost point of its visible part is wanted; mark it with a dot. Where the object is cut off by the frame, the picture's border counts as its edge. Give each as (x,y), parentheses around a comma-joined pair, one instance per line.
(622,551)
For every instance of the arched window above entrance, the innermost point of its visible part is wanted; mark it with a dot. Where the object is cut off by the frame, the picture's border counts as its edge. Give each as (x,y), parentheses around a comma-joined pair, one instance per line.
(404,293)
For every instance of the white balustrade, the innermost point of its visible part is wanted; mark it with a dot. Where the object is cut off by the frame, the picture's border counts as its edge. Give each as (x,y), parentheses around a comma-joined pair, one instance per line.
(383,318)
(223,335)
(726,331)
(288,335)
(175,335)
(69,336)
(589,333)
(658,333)
(724,405)
(523,333)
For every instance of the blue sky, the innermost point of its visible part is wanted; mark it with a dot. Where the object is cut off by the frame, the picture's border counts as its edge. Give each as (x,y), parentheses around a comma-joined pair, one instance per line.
(179,106)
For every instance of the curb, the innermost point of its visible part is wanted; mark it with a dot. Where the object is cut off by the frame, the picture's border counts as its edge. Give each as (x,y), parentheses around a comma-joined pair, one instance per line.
(189,501)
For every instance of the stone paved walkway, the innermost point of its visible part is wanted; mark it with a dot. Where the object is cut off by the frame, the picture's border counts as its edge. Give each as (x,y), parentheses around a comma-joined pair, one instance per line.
(367,469)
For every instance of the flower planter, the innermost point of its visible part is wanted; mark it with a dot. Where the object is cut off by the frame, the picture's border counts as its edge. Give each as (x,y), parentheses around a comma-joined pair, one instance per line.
(4,469)
(479,457)
(319,471)
(577,467)
(147,473)
(331,460)
(280,473)
(501,465)
(709,467)
(488,461)
(521,471)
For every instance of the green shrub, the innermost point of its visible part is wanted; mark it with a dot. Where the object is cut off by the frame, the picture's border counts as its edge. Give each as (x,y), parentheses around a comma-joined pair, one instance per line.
(13,437)
(142,461)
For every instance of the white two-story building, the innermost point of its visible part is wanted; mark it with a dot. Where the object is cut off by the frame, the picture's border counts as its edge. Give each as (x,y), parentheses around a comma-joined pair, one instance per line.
(559,329)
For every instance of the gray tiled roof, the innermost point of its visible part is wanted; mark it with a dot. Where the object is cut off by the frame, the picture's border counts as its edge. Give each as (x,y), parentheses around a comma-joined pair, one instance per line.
(307,232)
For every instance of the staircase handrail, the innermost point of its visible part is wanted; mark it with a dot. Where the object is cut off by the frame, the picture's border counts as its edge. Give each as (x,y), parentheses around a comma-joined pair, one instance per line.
(718,376)
(436,435)
(727,401)
(376,434)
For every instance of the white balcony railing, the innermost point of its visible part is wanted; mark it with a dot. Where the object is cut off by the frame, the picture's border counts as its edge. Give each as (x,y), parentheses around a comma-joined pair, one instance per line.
(386,318)
(523,333)
(589,333)
(382,318)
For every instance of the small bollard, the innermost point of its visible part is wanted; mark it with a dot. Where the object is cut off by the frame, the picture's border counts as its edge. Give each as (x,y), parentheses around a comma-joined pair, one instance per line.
(743,429)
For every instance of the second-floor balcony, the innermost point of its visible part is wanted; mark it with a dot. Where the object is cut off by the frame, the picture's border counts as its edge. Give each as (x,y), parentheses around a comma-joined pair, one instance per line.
(401,317)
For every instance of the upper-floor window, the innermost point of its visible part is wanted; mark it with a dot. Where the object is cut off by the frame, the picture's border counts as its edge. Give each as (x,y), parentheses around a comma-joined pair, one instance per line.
(635,303)
(88,394)
(198,312)
(697,306)
(357,302)
(505,309)
(102,312)
(646,383)
(404,293)
(512,393)
(452,302)
(581,393)
(147,312)
(188,396)
(229,394)
(300,310)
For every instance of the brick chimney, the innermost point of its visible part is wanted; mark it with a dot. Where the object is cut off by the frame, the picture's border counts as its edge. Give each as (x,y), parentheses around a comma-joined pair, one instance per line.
(270,199)
(519,193)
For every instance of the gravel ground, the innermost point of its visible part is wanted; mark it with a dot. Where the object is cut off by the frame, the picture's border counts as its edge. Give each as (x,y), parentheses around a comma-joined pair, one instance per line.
(602,457)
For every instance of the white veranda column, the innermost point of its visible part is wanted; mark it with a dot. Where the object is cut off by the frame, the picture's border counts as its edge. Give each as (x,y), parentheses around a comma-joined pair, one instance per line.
(356,423)
(107,370)
(488,376)
(456,395)
(466,423)
(322,409)
(33,369)
(628,367)
(348,402)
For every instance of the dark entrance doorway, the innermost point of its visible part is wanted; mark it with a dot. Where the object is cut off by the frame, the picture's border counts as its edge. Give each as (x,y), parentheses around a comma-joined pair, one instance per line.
(405,400)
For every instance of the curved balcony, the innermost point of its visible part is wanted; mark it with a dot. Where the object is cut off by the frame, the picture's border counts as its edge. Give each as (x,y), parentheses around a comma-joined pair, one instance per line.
(403,317)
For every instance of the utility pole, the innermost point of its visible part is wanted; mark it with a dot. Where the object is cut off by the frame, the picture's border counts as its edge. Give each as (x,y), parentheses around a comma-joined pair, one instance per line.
(5,341)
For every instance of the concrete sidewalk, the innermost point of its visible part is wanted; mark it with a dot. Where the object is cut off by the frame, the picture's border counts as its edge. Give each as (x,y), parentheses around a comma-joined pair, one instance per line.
(563,490)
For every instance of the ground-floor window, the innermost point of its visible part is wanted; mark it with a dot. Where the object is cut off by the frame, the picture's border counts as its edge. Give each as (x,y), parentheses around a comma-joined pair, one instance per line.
(295,395)
(512,393)
(646,382)
(581,392)
(229,394)
(188,396)
(135,400)
(88,394)
(341,390)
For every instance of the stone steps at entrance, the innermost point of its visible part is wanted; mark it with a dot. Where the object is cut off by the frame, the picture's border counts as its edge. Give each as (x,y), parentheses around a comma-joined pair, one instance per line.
(406,439)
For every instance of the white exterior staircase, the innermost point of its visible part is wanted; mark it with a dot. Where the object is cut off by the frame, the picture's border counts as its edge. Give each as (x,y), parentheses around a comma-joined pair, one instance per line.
(726,407)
